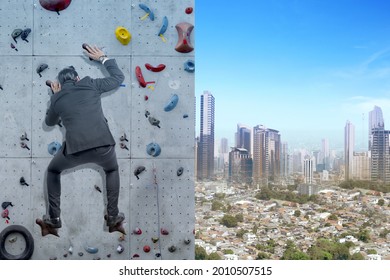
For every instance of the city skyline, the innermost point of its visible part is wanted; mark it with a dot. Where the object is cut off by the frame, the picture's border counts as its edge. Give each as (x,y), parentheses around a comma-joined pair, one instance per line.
(304,68)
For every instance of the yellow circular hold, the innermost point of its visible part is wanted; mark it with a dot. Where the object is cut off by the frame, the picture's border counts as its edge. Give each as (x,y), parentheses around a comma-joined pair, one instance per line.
(123,35)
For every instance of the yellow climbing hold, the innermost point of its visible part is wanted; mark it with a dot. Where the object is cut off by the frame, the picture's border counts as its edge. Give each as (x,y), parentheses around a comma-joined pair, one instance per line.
(145,16)
(123,35)
(163,38)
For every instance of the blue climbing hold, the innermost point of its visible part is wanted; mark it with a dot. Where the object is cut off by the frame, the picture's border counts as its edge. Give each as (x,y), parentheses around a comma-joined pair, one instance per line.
(53,148)
(164,26)
(172,103)
(147,10)
(153,149)
(189,66)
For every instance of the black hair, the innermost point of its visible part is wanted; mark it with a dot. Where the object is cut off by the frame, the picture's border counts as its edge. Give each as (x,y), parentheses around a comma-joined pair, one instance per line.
(66,74)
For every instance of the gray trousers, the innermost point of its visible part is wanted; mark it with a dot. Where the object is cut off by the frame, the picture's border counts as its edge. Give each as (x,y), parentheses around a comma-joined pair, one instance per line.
(104,156)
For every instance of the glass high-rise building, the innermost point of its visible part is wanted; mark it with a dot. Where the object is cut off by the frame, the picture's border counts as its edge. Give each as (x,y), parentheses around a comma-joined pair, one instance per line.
(243,137)
(266,154)
(379,147)
(205,161)
(349,144)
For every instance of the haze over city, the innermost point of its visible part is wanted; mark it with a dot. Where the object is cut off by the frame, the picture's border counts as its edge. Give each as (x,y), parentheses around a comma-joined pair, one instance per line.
(301,67)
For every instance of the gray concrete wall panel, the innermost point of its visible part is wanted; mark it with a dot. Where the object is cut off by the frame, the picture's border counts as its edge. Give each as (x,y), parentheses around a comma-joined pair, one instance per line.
(159,199)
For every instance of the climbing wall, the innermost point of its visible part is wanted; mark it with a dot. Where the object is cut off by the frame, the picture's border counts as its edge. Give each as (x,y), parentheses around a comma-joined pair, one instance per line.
(151,118)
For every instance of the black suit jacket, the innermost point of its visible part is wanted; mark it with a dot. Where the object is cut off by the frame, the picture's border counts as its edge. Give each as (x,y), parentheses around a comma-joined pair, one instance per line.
(78,104)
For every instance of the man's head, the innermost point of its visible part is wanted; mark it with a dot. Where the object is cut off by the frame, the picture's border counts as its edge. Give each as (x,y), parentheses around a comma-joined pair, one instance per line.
(68,74)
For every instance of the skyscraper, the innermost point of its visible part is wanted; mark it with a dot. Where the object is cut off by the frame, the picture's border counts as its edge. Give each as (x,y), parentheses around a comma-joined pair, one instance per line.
(285,159)
(325,153)
(349,144)
(308,164)
(243,137)
(240,166)
(266,154)
(205,163)
(379,147)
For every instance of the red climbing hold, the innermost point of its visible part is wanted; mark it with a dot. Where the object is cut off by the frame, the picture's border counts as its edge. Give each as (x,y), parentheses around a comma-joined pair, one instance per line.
(189,10)
(140,77)
(184,30)
(55,5)
(146,249)
(157,68)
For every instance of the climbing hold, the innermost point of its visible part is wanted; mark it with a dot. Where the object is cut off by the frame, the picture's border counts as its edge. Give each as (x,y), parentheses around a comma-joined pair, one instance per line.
(5,214)
(81,254)
(187,241)
(155,239)
(164,231)
(13,239)
(48,83)
(140,77)
(172,249)
(45,229)
(146,98)
(137,231)
(146,249)
(24,146)
(65,255)
(123,146)
(120,249)
(70,250)
(40,68)
(147,113)
(172,103)
(91,250)
(138,171)
(13,47)
(84,46)
(109,256)
(153,149)
(163,28)
(16,33)
(98,188)
(55,5)
(25,34)
(53,148)
(180,171)
(157,68)
(122,237)
(154,121)
(24,137)
(185,116)
(158,255)
(184,32)
(189,10)
(5,204)
(135,256)
(189,66)
(123,35)
(1,87)
(23,181)
(147,11)
(124,137)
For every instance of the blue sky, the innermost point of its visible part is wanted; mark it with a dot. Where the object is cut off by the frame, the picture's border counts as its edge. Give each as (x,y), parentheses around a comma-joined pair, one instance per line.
(301,67)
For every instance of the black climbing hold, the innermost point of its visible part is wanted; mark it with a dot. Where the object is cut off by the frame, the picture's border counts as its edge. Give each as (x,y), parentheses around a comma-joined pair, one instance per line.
(109,256)
(5,204)
(13,47)
(40,68)
(139,170)
(23,181)
(147,113)
(154,121)
(172,249)
(81,254)
(24,137)
(158,255)
(1,87)
(16,33)
(25,34)
(185,116)
(155,239)
(180,171)
(187,241)
(28,251)
(98,188)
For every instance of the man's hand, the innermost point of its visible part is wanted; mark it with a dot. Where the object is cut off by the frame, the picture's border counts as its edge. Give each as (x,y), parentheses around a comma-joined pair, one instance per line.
(94,52)
(55,87)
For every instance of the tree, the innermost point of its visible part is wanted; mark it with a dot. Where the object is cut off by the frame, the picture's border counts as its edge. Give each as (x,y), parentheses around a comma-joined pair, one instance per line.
(216,205)
(214,256)
(293,253)
(255,229)
(364,235)
(240,233)
(240,217)
(262,256)
(332,217)
(297,213)
(371,252)
(381,202)
(200,253)
(228,252)
(229,221)
(357,256)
